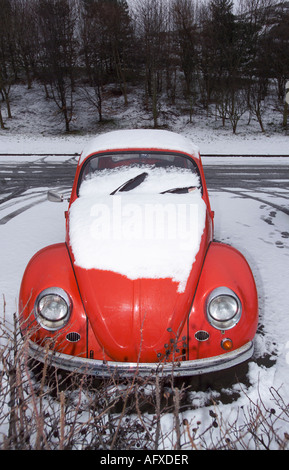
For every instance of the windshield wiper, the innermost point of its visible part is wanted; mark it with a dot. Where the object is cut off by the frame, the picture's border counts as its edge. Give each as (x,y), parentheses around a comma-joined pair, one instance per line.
(132,183)
(186,189)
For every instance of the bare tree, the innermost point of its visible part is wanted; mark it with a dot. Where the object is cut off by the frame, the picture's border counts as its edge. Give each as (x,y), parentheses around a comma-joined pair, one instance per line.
(120,38)
(7,55)
(257,102)
(276,44)
(106,44)
(94,55)
(185,28)
(57,20)
(152,28)
(237,106)
(25,36)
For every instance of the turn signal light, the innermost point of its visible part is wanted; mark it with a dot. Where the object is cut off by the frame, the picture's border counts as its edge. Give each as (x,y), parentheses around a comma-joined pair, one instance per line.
(227,344)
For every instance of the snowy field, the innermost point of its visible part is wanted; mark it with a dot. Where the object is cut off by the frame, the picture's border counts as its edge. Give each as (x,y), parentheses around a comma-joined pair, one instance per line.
(260,233)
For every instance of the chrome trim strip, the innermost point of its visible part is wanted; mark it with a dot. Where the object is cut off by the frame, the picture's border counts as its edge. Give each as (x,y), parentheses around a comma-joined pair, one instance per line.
(128,369)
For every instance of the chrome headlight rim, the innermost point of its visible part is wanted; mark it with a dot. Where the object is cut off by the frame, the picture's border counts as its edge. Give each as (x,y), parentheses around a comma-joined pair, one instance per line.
(49,323)
(225,294)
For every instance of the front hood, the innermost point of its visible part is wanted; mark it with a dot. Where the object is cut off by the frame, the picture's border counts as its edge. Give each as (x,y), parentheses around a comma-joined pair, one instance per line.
(137,270)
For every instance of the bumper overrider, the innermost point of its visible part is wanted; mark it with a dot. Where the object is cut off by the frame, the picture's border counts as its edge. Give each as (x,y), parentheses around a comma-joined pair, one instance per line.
(101,368)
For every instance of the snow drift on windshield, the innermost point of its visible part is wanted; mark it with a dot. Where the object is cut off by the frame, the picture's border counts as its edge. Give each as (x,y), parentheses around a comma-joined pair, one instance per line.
(140,233)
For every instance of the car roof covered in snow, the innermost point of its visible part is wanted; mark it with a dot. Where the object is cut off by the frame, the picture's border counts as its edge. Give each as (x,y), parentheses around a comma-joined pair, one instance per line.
(140,139)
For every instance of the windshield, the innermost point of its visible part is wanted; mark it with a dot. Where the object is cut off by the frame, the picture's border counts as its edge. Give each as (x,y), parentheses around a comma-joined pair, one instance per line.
(127,171)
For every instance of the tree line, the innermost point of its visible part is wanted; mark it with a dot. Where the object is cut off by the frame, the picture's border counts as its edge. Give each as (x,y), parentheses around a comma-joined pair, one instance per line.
(202,52)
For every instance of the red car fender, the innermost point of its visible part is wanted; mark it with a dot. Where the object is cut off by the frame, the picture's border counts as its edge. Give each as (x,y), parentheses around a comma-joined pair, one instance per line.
(51,267)
(223,266)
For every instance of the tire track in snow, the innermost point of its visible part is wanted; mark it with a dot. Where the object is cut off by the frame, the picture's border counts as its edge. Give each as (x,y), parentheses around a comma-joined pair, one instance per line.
(261,200)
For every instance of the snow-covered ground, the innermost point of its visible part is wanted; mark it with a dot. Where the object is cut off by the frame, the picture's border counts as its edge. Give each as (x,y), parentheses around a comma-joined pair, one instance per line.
(36,125)
(252,227)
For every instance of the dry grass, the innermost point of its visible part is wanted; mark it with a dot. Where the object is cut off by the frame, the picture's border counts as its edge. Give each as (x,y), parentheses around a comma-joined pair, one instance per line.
(45,409)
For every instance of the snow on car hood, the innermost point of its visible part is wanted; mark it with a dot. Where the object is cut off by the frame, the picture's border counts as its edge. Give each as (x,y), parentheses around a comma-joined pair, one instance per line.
(140,233)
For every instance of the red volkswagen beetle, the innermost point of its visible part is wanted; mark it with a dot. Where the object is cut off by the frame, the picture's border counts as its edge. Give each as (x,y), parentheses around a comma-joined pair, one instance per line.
(139,285)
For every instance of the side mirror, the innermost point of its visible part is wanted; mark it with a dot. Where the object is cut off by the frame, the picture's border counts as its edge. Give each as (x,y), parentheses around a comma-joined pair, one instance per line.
(54,197)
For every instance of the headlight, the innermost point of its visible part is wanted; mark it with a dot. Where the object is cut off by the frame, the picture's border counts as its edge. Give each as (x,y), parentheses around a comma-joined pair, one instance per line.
(52,308)
(224,308)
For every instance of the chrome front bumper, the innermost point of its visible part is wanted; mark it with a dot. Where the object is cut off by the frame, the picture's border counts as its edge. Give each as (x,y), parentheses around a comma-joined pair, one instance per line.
(104,369)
